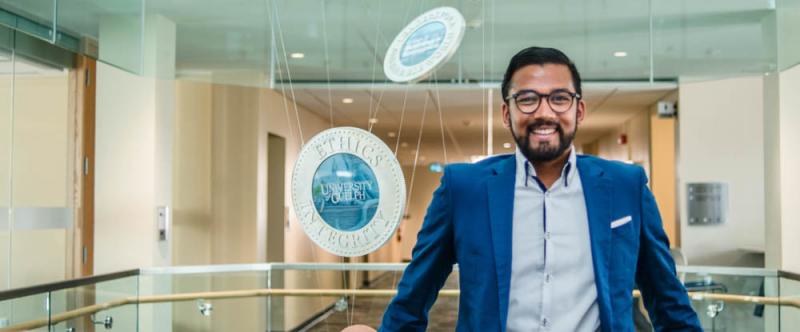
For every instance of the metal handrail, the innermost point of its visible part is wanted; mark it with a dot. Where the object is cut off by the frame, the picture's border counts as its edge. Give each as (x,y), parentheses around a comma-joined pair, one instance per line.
(72,283)
(263,267)
(263,292)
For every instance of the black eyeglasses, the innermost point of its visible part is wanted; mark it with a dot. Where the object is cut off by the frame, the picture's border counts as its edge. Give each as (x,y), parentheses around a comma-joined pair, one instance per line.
(528,101)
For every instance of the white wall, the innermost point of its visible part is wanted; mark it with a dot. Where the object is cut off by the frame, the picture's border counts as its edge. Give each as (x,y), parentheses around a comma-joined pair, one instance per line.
(788,131)
(721,139)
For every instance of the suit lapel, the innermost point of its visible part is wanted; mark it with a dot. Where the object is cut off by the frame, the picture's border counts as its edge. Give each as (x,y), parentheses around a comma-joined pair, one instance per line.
(501,206)
(597,194)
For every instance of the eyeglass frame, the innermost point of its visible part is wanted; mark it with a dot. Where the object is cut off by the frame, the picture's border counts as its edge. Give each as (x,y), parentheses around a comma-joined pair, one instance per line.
(543,96)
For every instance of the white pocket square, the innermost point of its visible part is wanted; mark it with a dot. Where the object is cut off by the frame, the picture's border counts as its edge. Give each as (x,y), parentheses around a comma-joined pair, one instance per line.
(621,221)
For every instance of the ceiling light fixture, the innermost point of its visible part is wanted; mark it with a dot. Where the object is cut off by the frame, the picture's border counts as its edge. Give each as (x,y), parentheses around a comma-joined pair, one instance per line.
(347,100)
(297,55)
(507,145)
(620,54)
(392,134)
(373,120)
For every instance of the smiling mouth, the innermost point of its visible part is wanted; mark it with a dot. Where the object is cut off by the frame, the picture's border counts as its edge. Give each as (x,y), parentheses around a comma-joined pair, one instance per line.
(544,131)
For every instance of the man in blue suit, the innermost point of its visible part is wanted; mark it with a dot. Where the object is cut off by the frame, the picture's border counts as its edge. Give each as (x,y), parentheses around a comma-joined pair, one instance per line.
(544,239)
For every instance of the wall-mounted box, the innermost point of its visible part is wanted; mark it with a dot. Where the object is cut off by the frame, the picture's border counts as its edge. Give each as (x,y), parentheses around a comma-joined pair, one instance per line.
(707,202)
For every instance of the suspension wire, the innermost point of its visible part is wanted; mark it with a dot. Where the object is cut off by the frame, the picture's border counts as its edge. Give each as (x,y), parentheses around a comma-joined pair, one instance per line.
(483,75)
(416,153)
(351,308)
(490,108)
(402,118)
(288,74)
(274,18)
(377,108)
(374,65)
(438,103)
(400,129)
(327,57)
(405,95)
(283,93)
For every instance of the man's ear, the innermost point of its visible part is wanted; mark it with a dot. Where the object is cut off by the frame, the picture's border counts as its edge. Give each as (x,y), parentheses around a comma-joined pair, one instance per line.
(581,110)
(506,115)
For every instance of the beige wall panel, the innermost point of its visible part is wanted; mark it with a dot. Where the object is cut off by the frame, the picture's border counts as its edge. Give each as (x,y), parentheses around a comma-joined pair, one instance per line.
(721,139)
(662,178)
(40,141)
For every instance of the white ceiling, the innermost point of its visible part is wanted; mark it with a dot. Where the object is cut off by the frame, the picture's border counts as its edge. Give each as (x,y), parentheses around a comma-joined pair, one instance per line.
(463,115)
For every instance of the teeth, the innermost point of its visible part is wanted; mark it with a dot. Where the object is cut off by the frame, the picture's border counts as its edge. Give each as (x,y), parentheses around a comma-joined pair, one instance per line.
(544,131)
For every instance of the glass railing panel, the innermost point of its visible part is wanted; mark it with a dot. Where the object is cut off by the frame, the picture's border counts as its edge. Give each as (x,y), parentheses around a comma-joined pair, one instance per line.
(719,314)
(29,312)
(790,311)
(323,297)
(233,302)
(117,298)
(324,313)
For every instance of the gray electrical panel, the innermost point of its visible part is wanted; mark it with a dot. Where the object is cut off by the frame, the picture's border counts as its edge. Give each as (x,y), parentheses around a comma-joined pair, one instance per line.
(707,202)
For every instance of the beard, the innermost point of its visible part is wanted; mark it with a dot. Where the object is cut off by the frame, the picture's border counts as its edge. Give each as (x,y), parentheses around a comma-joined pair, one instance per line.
(544,151)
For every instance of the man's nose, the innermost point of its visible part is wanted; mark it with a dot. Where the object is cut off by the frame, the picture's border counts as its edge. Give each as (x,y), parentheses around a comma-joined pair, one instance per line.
(545,111)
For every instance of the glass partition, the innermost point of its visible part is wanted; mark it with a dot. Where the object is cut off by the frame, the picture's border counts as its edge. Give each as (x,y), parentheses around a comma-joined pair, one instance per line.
(33,17)
(36,167)
(257,42)
(6,92)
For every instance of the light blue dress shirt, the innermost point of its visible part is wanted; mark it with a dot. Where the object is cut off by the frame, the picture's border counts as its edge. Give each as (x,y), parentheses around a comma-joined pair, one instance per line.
(552,279)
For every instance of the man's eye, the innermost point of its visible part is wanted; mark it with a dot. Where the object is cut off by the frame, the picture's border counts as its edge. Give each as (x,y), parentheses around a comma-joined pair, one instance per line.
(527,100)
(559,99)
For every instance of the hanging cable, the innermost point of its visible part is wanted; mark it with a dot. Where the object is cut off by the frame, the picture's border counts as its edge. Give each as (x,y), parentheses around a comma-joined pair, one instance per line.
(288,74)
(437,103)
(327,58)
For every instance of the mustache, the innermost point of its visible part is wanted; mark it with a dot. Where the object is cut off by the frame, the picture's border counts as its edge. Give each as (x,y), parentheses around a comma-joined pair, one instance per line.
(544,122)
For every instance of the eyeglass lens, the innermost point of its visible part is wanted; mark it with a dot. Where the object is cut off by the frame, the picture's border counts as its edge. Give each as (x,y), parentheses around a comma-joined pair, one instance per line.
(529,101)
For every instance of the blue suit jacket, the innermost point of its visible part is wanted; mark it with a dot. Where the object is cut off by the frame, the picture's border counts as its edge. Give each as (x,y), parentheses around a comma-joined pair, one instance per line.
(469,222)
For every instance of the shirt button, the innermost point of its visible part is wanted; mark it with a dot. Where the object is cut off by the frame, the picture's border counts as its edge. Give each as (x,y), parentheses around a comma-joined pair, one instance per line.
(547,194)
(547,235)
(544,322)
(547,277)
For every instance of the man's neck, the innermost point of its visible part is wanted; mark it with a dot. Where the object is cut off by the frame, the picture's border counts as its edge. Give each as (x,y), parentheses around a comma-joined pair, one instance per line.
(549,171)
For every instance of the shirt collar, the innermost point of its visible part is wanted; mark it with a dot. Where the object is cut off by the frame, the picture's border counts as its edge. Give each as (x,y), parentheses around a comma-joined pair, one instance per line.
(525,169)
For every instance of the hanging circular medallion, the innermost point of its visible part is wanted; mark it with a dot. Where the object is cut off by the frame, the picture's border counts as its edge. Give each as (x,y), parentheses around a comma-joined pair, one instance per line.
(348,191)
(424,44)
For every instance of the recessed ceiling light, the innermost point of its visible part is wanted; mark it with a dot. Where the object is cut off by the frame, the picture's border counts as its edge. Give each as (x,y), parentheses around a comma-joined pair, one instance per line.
(347,100)
(373,120)
(620,54)
(392,134)
(507,145)
(404,144)
(421,158)
(297,55)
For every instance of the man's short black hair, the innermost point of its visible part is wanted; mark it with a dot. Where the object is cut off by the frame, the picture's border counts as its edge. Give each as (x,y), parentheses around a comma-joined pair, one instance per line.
(539,56)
